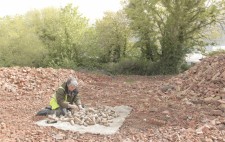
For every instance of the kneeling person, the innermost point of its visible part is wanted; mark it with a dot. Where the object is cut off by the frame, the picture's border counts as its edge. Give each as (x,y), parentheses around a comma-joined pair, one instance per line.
(64,99)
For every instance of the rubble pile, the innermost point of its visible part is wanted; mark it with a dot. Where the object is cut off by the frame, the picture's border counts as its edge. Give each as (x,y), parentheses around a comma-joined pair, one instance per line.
(89,116)
(203,83)
(206,78)
(38,81)
(202,87)
(41,81)
(27,80)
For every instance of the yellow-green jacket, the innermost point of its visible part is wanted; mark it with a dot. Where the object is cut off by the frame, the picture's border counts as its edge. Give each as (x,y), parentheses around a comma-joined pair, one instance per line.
(63,97)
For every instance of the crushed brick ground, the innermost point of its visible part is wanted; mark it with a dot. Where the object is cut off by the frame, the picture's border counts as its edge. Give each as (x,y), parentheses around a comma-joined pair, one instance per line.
(165,108)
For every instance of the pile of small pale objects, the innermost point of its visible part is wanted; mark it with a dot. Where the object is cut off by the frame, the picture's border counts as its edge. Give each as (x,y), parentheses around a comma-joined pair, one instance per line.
(89,116)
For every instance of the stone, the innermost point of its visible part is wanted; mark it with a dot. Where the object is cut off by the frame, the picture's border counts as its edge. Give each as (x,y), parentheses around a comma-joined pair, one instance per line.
(199,131)
(127,140)
(214,138)
(223,90)
(167,88)
(3,125)
(58,136)
(187,102)
(203,129)
(165,112)
(222,101)
(221,127)
(223,97)
(153,109)
(190,130)
(208,140)
(213,122)
(216,113)
(216,98)
(204,120)
(208,99)
(222,107)
(189,117)
(222,120)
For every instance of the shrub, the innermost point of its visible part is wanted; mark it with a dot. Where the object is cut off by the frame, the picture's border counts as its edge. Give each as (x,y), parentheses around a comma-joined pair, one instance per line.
(129,66)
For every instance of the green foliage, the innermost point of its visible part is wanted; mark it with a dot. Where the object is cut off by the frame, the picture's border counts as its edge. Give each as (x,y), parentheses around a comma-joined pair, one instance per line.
(148,37)
(182,26)
(130,66)
(145,31)
(112,36)
(49,38)
(168,29)
(127,66)
(62,31)
(184,67)
(19,45)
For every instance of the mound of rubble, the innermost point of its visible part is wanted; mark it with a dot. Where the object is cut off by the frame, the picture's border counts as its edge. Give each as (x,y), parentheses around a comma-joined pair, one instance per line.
(203,83)
(202,87)
(39,81)
(25,80)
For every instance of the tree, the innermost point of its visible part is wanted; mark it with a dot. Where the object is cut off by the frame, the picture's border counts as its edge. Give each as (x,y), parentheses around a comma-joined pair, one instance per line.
(112,35)
(62,31)
(183,28)
(48,37)
(144,29)
(178,26)
(19,44)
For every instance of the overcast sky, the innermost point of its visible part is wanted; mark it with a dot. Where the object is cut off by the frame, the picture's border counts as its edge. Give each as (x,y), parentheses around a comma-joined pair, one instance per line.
(92,9)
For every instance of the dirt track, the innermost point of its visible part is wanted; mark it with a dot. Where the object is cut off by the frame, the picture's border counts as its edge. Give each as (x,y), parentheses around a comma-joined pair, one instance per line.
(156,116)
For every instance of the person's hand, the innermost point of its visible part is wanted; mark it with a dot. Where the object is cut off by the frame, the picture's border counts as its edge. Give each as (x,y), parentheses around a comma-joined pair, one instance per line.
(80,107)
(72,106)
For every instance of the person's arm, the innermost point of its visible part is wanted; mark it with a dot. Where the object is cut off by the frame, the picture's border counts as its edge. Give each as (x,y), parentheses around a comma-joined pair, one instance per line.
(77,100)
(60,97)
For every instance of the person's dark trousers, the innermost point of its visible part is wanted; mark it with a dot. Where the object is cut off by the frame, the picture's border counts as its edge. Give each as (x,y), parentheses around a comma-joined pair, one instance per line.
(48,111)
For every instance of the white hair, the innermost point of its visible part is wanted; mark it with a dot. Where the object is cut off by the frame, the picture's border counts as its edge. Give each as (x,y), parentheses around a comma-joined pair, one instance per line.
(72,82)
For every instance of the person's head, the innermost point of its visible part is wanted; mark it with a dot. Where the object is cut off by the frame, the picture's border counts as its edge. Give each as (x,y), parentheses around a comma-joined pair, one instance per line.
(72,84)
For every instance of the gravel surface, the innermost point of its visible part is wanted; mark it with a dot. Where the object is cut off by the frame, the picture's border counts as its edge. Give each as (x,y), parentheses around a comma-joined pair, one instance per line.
(185,108)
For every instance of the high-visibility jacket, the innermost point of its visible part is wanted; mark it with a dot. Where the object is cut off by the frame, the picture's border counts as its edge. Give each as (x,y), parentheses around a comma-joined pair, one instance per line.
(53,101)
(62,98)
